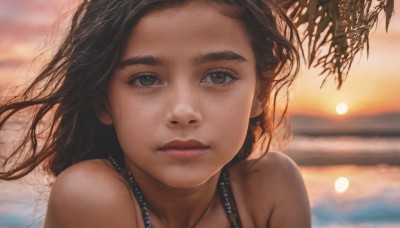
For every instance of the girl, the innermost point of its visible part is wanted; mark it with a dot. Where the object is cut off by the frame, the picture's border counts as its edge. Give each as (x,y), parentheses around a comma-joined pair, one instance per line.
(149,113)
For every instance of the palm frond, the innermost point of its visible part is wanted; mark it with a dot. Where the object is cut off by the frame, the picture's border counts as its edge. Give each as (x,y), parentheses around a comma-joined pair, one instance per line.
(336,30)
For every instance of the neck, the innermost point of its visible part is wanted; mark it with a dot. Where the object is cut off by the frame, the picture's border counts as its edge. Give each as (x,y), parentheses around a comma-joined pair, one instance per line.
(176,207)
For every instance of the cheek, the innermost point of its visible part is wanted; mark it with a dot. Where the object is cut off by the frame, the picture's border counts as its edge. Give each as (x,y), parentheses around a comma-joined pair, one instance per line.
(134,131)
(230,120)
(134,121)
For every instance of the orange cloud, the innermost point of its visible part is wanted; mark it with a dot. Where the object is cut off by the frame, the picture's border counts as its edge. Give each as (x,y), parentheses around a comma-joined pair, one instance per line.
(24,25)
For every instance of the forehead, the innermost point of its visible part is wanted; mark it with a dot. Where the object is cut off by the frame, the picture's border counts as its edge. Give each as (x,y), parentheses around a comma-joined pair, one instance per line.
(193,26)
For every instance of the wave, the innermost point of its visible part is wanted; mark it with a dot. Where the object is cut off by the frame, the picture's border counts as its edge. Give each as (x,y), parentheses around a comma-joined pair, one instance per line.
(372,210)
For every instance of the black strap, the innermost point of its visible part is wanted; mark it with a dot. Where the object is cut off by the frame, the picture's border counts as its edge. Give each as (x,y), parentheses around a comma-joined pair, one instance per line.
(224,189)
(134,188)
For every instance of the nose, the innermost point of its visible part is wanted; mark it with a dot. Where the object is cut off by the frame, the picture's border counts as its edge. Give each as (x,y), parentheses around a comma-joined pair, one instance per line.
(184,109)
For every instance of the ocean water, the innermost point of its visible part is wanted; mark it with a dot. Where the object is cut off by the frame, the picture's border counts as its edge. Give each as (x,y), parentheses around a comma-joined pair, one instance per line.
(372,198)
(370,163)
(366,152)
(23,202)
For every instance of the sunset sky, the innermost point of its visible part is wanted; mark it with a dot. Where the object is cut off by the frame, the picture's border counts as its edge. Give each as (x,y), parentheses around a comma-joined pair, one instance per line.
(371,88)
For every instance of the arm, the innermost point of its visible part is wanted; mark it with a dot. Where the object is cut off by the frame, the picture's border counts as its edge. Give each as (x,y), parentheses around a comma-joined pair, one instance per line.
(280,184)
(90,194)
(291,206)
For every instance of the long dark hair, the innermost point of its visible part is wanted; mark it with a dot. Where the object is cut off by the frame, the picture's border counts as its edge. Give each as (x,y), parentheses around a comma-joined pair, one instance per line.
(72,86)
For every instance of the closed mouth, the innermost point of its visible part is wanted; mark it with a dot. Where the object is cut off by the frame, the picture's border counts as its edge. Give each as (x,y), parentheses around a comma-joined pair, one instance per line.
(184,149)
(184,145)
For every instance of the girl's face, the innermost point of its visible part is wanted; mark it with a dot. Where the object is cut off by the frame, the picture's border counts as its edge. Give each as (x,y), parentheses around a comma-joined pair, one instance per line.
(183,94)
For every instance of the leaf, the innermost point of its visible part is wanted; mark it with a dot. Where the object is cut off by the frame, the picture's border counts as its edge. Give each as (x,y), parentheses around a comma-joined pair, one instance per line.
(389,7)
(342,25)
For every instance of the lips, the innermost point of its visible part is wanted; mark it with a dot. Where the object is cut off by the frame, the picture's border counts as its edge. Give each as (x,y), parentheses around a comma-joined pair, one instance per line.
(184,149)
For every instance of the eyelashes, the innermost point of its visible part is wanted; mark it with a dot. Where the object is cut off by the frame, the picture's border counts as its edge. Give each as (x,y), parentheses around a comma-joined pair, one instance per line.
(220,77)
(146,80)
(216,78)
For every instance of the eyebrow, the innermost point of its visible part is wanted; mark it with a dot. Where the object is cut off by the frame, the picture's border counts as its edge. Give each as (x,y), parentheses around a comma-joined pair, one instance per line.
(211,57)
(220,56)
(144,60)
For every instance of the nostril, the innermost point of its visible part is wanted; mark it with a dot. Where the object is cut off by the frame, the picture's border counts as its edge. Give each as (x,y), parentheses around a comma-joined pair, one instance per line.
(176,122)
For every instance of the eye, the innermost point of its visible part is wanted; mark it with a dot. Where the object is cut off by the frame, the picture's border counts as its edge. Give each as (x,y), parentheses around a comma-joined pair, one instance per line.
(145,80)
(220,77)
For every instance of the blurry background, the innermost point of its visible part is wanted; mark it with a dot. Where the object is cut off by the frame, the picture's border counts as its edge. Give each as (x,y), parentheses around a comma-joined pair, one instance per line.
(346,142)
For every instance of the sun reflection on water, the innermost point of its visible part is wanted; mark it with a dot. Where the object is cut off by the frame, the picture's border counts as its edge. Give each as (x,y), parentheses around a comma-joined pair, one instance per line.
(372,198)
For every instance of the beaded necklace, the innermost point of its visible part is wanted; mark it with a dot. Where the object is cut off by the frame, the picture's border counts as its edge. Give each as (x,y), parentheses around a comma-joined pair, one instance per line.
(224,190)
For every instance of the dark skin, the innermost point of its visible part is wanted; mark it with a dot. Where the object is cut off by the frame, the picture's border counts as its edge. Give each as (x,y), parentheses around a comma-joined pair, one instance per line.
(212,108)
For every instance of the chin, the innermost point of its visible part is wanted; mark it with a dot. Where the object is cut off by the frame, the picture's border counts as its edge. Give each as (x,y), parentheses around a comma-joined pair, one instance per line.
(187,179)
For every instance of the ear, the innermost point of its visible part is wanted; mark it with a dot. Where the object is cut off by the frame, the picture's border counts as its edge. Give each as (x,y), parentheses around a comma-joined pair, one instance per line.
(257,108)
(104,116)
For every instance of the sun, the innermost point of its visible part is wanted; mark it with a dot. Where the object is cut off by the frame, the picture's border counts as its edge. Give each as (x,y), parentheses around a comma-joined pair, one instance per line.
(342,108)
(341,184)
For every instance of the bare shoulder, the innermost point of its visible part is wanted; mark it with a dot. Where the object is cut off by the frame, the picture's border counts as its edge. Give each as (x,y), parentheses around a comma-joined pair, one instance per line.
(274,187)
(90,194)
